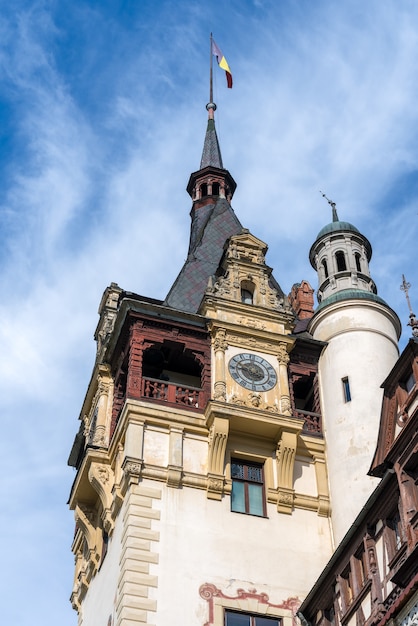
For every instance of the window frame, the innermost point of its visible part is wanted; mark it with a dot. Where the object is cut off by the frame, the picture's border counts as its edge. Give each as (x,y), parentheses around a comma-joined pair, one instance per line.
(247,481)
(253,617)
(346,389)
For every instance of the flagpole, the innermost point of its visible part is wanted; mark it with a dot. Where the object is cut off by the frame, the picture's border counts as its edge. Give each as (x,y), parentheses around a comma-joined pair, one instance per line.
(211,72)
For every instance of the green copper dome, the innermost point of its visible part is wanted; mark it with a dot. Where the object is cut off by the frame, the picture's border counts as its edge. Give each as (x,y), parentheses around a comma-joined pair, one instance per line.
(350,294)
(336,226)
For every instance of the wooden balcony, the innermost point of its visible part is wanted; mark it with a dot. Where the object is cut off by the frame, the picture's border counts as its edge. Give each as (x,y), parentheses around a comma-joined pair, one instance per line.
(173,393)
(312,421)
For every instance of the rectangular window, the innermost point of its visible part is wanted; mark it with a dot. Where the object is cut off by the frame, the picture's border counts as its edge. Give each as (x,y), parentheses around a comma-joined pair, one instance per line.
(247,494)
(346,389)
(233,618)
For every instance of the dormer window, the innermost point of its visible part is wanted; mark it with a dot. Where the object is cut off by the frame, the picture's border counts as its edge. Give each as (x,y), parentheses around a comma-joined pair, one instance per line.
(341,264)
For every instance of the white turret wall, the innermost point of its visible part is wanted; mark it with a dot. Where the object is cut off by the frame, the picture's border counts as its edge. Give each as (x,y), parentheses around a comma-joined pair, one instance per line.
(362,346)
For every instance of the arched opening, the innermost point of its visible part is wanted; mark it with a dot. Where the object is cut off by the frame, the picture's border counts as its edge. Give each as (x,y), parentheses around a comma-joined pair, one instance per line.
(357,258)
(247,292)
(325,267)
(215,189)
(341,264)
(203,190)
(172,362)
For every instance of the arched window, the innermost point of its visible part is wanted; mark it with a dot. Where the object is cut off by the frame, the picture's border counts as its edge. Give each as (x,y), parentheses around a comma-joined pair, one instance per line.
(204,190)
(215,189)
(341,264)
(357,258)
(325,267)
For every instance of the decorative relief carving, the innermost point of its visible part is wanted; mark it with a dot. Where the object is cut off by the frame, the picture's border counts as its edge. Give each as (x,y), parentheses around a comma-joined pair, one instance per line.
(282,354)
(220,391)
(252,323)
(256,344)
(253,400)
(247,601)
(220,342)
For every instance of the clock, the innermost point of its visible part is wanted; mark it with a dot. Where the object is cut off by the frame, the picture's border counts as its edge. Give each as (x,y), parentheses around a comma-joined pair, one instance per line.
(252,372)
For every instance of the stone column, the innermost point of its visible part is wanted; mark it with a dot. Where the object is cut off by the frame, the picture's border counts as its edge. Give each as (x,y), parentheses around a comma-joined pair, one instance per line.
(283,358)
(220,345)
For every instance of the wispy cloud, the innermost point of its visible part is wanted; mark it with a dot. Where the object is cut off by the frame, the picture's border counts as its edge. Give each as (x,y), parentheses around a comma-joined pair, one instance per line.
(103,120)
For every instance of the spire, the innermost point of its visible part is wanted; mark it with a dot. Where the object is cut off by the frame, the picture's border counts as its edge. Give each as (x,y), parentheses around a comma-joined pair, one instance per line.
(333,206)
(211,155)
(413,321)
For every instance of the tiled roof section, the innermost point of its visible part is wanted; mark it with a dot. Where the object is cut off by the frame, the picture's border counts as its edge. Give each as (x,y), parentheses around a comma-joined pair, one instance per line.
(212,225)
(211,154)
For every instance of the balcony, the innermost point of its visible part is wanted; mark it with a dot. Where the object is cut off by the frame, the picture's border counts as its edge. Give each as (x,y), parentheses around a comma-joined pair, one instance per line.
(312,421)
(172,393)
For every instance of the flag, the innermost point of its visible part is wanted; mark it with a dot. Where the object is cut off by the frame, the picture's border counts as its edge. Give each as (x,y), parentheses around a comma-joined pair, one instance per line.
(222,62)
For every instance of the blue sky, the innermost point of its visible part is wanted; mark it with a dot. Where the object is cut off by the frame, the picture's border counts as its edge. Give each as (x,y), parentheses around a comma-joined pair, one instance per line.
(102,120)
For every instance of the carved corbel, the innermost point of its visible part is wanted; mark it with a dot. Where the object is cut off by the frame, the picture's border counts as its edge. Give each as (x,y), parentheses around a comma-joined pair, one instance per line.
(132,470)
(85,517)
(217,446)
(286,453)
(102,480)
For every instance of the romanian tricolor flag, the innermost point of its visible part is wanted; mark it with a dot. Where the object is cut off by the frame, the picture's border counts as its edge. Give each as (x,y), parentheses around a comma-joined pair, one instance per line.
(222,62)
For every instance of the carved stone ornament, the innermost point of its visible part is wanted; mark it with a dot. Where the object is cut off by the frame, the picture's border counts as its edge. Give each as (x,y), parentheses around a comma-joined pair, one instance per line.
(255,401)
(132,467)
(252,323)
(220,391)
(219,342)
(282,354)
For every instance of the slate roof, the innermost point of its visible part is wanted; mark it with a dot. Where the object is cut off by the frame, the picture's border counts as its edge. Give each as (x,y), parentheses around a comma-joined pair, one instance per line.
(211,226)
(211,154)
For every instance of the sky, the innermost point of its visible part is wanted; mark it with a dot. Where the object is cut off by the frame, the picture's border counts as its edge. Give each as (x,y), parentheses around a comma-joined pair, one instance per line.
(102,120)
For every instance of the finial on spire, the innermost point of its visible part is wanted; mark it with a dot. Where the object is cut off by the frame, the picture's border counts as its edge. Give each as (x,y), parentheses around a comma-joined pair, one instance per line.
(333,206)
(211,108)
(413,321)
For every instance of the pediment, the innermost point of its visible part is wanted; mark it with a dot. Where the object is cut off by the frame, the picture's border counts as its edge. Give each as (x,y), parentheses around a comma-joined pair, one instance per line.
(246,248)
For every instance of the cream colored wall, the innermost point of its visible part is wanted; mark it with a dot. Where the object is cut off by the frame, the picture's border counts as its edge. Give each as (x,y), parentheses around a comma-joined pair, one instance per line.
(202,541)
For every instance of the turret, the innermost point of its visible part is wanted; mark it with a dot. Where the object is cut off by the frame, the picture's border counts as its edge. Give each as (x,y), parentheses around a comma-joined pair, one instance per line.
(361,332)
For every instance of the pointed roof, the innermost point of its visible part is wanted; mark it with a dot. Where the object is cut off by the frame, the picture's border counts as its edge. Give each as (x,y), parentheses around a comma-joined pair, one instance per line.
(213,222)
(211,155)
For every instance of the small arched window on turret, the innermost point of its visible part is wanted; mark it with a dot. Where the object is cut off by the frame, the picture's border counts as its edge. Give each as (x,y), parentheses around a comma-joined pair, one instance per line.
(325,267)
(341,264)
(357,258)
(203,190)
(215,189)
(247,292)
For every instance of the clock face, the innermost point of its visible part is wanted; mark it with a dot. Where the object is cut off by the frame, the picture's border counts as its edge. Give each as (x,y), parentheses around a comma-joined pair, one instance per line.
(252,372)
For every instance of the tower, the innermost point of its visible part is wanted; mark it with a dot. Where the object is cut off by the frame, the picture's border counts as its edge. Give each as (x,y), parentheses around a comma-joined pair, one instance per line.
(361,332)
(201,491)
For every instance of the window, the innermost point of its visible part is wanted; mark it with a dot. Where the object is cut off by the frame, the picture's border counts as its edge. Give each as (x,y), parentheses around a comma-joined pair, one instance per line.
(409,382)
(341,264)
(325,266)
(247,494)
(346,389)
(243,619)
(357,258)
(246,296)
(215,189)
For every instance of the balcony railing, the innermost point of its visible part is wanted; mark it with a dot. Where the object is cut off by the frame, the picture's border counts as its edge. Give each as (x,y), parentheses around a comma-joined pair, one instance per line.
(312,421)
(191,397)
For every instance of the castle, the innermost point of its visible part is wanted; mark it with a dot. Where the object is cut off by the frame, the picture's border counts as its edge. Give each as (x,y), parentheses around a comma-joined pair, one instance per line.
(227,432)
